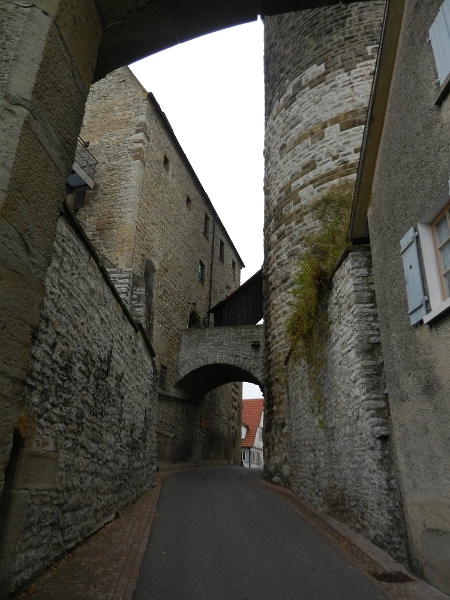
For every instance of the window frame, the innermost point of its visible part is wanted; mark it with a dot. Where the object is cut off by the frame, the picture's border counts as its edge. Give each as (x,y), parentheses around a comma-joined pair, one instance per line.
(437,247)
(439,38)
(438,302)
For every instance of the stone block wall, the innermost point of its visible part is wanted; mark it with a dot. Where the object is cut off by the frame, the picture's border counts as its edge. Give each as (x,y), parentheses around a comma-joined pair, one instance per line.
(88,414)
(340,446)
(319,66)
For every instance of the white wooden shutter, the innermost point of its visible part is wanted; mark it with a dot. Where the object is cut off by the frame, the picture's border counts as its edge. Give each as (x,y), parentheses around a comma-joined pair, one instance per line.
(440,40)
(413,278)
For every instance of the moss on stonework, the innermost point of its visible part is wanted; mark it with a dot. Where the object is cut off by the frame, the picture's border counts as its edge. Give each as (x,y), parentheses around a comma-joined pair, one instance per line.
(307,325)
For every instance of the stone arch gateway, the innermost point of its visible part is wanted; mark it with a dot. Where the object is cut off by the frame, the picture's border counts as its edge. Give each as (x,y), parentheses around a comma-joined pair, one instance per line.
(214,356)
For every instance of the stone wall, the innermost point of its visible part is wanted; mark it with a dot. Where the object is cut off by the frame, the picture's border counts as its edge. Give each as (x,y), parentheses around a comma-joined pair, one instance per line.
(319,66)
(340,447)
(88,414)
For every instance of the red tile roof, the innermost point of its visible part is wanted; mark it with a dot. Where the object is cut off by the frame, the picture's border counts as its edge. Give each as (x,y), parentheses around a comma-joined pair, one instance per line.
(251,415)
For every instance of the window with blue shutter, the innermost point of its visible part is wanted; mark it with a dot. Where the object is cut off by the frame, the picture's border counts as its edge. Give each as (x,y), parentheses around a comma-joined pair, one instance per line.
(413,278)
(440,41)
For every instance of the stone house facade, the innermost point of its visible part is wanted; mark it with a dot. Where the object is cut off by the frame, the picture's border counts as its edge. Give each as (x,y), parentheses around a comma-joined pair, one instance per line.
(164,244)
(401,205)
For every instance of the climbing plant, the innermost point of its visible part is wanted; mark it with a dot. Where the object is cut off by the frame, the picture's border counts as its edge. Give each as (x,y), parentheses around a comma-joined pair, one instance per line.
(307,325)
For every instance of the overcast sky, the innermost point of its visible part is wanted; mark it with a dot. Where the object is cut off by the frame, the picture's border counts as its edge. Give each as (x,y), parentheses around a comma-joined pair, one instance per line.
(212,91)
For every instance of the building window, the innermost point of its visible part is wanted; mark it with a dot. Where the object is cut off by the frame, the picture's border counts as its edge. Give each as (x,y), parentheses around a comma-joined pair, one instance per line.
(206,226)
(166,163)
(441,231)
(188,203)
(434,234)
(233,266)
(162,377)
(149,277)
(201,272)
(260,435)
(440,41)
(221,251)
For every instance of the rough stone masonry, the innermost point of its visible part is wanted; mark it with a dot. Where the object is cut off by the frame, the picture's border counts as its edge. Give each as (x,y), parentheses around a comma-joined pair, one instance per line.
(319,66)
(341,451)
(88,413)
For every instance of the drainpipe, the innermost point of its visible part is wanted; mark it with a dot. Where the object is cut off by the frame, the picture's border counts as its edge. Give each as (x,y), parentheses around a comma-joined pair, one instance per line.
(212,267)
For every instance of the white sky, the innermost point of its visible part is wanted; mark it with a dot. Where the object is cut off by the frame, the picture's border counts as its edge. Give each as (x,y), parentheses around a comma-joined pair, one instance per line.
(212,91)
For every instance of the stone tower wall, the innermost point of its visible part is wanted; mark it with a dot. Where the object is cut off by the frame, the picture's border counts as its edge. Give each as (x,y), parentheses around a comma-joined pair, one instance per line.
(319,66)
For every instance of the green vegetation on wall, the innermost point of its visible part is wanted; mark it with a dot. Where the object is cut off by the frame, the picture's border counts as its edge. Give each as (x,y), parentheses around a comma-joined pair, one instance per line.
(307,326)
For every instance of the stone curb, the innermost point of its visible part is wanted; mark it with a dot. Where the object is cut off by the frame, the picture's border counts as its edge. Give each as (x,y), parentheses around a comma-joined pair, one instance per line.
(364,555)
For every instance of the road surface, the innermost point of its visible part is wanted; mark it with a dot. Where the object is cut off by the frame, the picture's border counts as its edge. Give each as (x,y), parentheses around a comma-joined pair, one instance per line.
(217,537)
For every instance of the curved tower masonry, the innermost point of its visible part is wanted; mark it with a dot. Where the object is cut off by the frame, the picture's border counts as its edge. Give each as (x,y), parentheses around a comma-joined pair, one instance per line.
(319,66)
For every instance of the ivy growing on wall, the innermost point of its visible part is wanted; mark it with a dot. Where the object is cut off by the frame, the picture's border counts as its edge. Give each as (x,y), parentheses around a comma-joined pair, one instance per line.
(307,325)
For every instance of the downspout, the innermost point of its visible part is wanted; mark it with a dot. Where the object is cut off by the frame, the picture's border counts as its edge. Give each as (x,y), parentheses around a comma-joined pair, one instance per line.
(212,267)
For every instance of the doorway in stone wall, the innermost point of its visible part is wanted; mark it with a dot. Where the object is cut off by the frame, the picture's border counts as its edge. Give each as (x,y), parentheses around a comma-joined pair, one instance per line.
(8,526)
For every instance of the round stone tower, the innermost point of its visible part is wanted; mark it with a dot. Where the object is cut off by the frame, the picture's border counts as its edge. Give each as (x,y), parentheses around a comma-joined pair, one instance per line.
(319,66)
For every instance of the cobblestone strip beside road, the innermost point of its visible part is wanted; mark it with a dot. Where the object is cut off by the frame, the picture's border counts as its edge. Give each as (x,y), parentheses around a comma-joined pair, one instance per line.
(107,565)
(366,557)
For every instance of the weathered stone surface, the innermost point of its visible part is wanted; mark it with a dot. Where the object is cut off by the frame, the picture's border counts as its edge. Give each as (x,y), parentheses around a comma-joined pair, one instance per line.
(319,66)
(42,95)
(340,446)
(91,398)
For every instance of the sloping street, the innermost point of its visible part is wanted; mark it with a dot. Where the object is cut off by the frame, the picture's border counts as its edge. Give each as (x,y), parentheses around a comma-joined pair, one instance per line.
(217,537)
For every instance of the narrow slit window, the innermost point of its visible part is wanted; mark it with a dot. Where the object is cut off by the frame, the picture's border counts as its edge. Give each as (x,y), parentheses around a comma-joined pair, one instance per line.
(222,251)
(206,226)
(440,41)
(162,377)
(188,203)
(201,272)
(166,163)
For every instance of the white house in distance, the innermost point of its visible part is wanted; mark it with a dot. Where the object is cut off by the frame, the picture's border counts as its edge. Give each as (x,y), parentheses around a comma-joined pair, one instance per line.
(251,433)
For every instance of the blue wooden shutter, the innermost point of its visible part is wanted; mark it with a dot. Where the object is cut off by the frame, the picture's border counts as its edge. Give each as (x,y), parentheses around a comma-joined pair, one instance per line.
(413,278)
(440,40)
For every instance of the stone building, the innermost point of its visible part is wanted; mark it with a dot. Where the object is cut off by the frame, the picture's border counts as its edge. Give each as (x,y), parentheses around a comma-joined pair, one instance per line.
(167,251)
(319,68)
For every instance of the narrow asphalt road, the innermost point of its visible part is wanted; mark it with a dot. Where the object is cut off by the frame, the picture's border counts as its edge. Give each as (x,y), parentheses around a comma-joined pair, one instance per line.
(217,537)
